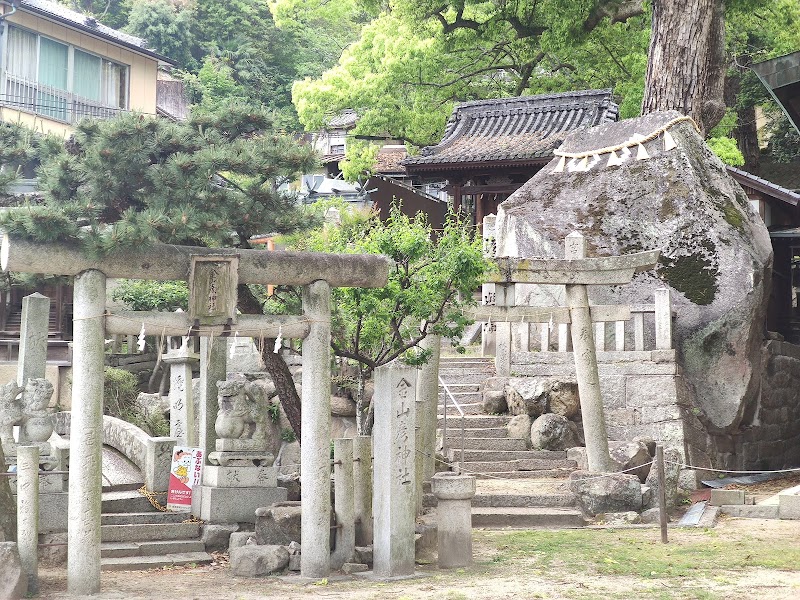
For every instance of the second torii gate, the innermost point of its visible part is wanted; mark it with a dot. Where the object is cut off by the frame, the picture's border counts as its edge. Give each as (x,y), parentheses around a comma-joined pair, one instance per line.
(575,272)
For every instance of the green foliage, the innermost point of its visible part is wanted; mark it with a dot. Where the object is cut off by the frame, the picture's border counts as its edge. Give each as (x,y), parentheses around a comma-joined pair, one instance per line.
(120,390)
(288,435)
(21,147)
(274,411)
(727,150)
(359,161)
(133,180)
(140,294)
(165,27)
(432,278)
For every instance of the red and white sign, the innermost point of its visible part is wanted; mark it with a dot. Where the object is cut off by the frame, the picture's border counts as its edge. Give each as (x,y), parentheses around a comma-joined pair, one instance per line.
(186,472)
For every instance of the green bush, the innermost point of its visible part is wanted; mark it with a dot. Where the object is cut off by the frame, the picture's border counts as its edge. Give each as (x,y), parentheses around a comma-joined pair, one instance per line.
(138,294)
(120,390)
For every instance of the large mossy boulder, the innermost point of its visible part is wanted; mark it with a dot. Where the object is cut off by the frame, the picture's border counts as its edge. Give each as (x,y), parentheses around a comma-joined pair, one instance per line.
(715,251)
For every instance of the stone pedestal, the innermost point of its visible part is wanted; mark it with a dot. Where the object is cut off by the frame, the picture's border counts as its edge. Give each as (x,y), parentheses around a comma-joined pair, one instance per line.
(454,518)
(33,338)
(393,501)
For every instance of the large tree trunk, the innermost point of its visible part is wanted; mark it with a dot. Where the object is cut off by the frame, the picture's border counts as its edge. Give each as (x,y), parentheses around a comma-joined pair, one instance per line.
(686,60)
(8,508)
(746,132)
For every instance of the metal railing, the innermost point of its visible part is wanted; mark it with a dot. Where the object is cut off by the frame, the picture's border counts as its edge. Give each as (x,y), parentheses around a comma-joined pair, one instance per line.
(444,423)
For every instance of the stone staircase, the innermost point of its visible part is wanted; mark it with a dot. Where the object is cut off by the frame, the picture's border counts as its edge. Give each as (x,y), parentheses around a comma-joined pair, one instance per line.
(134,535)
(516,487)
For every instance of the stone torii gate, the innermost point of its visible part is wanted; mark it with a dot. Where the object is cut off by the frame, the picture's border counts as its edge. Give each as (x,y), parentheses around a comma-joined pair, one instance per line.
(212,313)
(575,272)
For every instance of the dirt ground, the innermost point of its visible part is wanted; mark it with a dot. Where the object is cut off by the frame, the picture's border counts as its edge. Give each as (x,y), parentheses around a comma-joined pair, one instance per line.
(498,573)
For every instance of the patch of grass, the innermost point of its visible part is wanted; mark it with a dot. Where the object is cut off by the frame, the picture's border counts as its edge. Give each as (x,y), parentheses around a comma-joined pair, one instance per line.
(639,553)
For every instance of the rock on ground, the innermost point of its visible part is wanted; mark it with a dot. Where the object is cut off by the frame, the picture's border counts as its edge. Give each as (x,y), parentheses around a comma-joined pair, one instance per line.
(631,457)
(217,537)
(342,407)
(255,561)
(597,493)
(494,402)
(553,432)
(520,427)
(620,518)
(13,582)
(535,396)
(278,524)
(241,538)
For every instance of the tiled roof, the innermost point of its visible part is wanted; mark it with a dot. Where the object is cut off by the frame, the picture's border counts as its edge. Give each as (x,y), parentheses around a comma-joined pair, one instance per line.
(87,24)
(524,129)
(346,119)
(762,185)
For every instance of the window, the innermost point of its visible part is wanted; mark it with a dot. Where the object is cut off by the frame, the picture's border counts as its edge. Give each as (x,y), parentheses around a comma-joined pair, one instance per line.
(59,81)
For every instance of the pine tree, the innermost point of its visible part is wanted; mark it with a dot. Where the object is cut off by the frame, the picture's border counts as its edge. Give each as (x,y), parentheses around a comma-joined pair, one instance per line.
(211,181)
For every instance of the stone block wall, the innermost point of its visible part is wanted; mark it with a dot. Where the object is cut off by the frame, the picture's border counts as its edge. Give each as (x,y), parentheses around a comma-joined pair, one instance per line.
(643,392)
(768,434)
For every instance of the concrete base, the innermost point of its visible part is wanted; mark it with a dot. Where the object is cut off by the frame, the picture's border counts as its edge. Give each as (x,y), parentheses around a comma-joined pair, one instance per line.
(758,511)
(233,505)
(788,506)
(372,577)
(726,497)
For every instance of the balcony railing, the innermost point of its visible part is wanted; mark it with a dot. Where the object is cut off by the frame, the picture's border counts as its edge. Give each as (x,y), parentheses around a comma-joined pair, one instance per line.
(51,102)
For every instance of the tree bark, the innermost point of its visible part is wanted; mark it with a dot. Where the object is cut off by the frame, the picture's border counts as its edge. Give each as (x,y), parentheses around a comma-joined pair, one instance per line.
(8,507)
(686,61)
(745,133)
(284,385)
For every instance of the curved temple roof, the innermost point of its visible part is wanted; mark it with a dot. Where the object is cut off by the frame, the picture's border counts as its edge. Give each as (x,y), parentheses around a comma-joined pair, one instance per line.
(523,129)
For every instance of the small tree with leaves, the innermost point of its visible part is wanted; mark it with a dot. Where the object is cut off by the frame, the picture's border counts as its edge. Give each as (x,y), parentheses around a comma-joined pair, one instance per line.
(434,275)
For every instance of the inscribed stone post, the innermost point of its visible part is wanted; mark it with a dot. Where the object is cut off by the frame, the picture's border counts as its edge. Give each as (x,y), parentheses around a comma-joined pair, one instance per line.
(28,513)
(315,468)
(85,482)
(488,289)
(362,483)
(594,425)
(33,338)
(393,501)
(504,297)
(213,368)
(427,404)
(345,504)
(181,403)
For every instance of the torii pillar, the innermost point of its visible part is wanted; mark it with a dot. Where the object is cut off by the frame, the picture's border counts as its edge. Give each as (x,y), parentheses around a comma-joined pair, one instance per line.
(576,272)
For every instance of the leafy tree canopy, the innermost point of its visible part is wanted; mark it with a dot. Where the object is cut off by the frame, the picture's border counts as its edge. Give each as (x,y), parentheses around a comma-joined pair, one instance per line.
(213,180)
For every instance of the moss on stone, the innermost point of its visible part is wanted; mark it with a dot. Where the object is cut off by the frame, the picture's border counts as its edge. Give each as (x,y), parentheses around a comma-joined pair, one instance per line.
(732,215)
(692,274)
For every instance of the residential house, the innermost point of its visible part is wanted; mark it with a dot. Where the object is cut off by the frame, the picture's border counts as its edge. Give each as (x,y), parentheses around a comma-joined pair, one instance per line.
(58,66)
(491,147)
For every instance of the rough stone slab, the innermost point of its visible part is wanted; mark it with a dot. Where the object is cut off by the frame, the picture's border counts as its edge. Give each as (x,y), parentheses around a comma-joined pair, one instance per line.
(789,506)
(13,581)
(254,561)
(148,532)
(527,518)
(757,511)
(726,497)
(237,477)
(151,518)
(524,500)
(216,537)
(137,563)
(233,505)
(351,568)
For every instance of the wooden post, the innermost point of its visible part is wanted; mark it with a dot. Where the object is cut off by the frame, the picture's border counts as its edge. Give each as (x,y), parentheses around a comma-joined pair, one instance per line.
(662,493)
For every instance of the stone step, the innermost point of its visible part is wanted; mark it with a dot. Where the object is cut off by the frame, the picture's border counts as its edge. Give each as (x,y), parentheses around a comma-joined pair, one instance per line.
(464,376)
(454,430)
(134,563)
(538,474)
(457,387)
(525,464)
(527,518)
(469,408)
(512,501)
(494,444)
(475,421)
(134,518)
(496,454)
(152,548)
(128,502)
(449,360)
(149,532)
